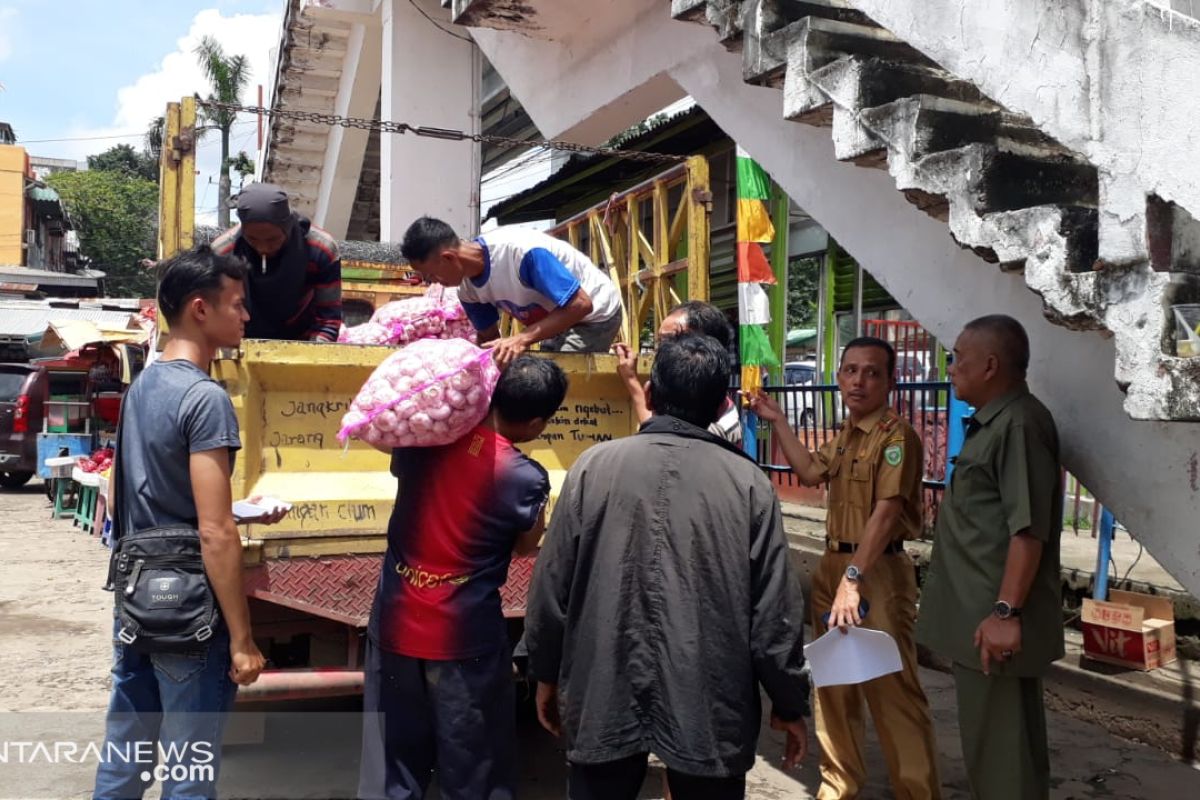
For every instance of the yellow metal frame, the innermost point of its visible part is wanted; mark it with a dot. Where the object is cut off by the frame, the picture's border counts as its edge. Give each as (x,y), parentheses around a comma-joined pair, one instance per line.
(177,179)
(290,398)
(644,256)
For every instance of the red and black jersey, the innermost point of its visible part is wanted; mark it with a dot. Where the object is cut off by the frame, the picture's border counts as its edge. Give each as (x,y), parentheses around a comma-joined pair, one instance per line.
(459,510)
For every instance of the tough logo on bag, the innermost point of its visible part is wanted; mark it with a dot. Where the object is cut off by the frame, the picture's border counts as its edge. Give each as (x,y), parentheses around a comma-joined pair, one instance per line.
(165,593)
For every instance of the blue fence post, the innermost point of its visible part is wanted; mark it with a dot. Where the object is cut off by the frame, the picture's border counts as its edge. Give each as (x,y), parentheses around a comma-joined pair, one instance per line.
(750,435)
(957,433)
(1103,555)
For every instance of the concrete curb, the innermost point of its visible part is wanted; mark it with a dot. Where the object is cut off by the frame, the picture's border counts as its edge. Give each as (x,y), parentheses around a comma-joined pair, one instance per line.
(1159,708)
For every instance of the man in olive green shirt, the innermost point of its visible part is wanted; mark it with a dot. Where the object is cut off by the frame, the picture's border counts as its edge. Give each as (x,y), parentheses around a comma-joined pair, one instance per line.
(992,602)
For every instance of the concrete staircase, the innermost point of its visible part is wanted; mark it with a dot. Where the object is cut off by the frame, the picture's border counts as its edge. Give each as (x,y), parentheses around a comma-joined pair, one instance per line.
(1006,189)
(1056,141)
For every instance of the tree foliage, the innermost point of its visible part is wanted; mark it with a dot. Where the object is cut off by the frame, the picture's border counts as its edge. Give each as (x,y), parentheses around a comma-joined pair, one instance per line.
(124,159)
(803,286)
(116,216)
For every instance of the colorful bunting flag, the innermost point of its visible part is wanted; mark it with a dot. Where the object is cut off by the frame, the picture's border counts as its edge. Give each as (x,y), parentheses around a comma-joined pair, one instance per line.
(753,229)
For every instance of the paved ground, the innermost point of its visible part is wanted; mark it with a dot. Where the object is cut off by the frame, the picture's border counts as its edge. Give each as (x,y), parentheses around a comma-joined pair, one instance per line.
(54,625)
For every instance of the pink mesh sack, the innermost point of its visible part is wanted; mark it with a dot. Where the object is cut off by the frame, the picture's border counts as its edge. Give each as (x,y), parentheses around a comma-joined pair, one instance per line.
(367,333)
(433,392)
(411,319)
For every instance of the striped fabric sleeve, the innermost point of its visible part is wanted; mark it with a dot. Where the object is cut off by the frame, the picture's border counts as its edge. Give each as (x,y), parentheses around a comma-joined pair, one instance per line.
(223,245)
(325,279)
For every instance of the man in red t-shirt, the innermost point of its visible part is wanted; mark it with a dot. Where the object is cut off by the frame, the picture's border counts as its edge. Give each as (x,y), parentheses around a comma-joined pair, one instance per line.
(438,670)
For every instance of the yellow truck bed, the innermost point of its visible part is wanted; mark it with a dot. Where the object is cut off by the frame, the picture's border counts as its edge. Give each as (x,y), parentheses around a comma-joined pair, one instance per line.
(290,398)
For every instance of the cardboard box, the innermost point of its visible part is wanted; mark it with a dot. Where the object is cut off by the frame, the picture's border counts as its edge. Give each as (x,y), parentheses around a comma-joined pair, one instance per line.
(1130,630)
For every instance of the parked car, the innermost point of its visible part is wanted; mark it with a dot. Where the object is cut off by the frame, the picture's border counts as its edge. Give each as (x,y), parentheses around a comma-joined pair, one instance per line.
(23,394)
(800,406)
(915,367)
(799,373)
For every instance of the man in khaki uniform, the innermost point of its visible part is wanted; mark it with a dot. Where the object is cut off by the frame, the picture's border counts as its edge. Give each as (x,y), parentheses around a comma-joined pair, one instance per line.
(993,600)
(873,467)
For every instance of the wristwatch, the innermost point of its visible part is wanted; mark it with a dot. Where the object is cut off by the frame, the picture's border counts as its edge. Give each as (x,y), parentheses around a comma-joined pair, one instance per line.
(853,574)
(1004,610)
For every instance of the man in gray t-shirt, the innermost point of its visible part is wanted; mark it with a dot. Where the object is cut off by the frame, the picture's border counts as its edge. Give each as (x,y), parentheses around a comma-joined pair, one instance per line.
(179,410)
(173,464)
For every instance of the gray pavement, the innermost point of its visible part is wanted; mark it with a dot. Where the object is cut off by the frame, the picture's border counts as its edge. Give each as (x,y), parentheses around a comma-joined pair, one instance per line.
(54,625)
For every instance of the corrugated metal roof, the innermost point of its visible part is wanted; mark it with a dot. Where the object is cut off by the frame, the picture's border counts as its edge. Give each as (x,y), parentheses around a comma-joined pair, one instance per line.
(683,133)
(42,277)
(19,320)
(42,194)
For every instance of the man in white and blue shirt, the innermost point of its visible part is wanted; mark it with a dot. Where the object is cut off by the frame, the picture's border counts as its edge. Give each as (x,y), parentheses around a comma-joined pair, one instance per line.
(558,295)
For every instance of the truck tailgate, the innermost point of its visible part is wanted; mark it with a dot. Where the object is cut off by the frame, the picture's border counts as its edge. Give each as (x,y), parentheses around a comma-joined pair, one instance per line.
(290,398)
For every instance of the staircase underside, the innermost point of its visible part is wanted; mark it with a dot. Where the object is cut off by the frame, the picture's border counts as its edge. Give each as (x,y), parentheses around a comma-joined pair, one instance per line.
(1009,194)
(1006,190)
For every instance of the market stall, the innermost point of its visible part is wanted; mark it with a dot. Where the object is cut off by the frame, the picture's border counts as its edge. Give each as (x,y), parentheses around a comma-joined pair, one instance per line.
(87,382)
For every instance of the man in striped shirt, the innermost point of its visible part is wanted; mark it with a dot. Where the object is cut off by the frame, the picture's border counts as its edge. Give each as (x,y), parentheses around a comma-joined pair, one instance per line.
(294,288)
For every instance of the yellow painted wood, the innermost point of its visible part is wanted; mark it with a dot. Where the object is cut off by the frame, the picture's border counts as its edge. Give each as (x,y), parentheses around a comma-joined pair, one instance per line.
(662,229)
(177,179)
(334,546)
(678,222)
(168,188)
(187,175)
(290,398)
(698,227)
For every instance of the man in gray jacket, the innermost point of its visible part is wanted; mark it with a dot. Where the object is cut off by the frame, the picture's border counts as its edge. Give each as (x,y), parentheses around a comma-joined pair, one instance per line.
(663,598)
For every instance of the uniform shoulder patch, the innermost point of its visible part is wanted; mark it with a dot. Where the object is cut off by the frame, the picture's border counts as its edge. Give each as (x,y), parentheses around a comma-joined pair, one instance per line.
(893,454)
(888,422)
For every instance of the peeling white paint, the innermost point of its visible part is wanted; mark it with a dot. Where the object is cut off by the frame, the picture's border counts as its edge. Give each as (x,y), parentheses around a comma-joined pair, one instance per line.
(1139,468)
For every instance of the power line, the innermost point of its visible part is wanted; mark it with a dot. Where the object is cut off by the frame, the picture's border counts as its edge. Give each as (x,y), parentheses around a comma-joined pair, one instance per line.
(137,135)
(437,25)
(516,166)
(84,138)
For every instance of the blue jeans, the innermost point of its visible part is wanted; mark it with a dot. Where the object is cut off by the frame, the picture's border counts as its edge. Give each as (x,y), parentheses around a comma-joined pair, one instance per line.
(168,707)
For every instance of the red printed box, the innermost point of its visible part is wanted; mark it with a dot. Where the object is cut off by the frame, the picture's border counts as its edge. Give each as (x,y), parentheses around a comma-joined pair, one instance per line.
(1130,629)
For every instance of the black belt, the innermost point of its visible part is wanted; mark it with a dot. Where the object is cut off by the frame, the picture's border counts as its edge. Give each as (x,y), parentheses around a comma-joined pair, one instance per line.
(893,547)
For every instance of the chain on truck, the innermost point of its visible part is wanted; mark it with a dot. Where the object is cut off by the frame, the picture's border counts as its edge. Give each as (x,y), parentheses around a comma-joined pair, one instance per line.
(311,579)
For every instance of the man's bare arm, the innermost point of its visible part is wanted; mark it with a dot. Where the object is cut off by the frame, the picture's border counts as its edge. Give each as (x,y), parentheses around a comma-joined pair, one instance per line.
(807,468)
(627,370)
(527,542)
(1020,568)
(221,550)
(488,334)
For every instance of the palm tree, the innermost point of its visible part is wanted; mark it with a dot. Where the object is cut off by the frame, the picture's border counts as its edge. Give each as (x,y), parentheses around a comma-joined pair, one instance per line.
(154,137)
(227,75)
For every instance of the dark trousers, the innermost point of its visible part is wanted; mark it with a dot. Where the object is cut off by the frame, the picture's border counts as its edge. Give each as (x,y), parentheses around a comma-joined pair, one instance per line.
(1002,722)
(622,780)
(457,717)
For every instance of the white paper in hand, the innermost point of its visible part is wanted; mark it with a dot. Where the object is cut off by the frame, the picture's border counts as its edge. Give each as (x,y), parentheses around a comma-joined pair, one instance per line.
(244,509)
(859,655)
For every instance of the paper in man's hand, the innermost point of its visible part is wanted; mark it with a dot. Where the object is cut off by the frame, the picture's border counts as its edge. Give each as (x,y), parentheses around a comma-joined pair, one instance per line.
(856,656)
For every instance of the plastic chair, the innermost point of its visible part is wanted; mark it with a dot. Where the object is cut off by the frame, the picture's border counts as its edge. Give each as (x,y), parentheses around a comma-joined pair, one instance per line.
(66,497)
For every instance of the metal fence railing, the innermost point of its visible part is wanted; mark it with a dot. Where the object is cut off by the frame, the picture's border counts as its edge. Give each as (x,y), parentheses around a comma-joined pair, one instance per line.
(816,413)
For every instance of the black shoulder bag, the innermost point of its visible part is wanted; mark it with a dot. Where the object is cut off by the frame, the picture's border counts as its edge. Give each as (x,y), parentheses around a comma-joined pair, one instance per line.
(164,603)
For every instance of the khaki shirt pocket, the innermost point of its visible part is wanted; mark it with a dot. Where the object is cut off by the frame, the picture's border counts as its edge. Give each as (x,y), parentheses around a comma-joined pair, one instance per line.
(858,482)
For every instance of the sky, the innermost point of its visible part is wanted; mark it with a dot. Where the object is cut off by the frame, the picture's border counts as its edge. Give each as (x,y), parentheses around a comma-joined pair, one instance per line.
(89,75)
